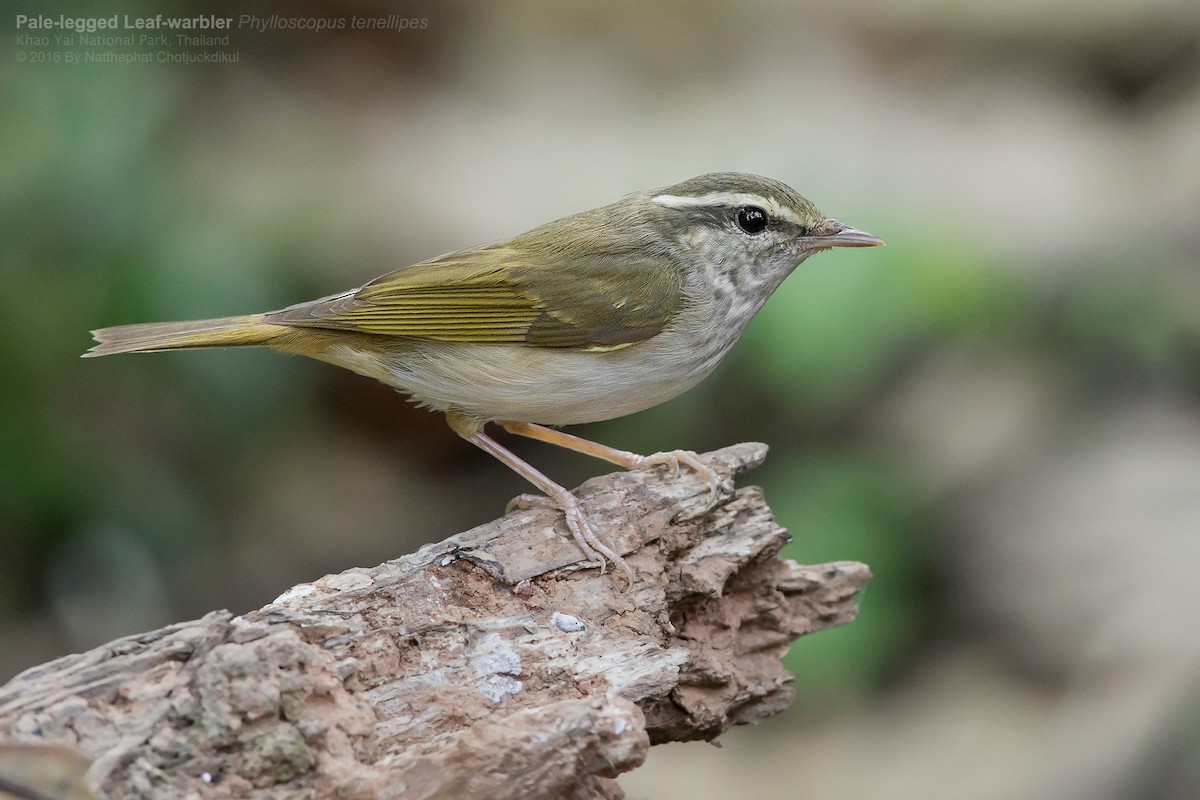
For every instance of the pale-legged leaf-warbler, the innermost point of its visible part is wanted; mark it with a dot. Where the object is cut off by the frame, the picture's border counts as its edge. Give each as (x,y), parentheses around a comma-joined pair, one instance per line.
(594,316)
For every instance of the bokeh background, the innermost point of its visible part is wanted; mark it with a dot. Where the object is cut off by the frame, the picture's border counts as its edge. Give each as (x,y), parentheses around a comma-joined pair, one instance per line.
(999,412)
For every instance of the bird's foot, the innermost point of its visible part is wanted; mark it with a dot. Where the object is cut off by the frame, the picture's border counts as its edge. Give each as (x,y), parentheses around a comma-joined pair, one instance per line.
(673,458)
(599,553)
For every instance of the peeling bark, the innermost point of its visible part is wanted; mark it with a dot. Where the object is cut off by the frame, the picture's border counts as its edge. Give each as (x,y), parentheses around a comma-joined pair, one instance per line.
(486,665)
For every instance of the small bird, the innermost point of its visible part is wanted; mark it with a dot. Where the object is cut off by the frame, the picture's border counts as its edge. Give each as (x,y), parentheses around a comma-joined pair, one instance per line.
(587,318)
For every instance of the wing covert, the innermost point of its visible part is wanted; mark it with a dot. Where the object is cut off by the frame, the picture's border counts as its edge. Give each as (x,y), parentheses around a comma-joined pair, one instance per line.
(499,295)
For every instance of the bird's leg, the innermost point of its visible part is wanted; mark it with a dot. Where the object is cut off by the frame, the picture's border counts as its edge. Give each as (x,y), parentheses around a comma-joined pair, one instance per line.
(590,542)
(622,458)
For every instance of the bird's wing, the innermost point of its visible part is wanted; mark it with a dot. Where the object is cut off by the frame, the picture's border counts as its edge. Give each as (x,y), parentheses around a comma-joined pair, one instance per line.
(497,294)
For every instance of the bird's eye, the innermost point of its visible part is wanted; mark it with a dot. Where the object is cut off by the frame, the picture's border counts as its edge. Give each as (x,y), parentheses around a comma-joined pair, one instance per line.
(751,219)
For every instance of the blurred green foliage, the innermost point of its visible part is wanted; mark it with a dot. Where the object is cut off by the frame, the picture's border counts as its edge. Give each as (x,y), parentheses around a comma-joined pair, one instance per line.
(101,221)
(834,328)
(841,506)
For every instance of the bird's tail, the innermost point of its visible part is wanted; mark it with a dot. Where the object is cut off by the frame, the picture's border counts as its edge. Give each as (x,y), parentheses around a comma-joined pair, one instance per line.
(245,331)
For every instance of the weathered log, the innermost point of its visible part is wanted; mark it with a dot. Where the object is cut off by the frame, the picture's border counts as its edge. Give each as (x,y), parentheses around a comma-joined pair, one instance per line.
(486,665)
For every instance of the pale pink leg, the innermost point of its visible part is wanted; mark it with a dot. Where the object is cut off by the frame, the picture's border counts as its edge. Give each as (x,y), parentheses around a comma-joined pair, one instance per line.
(622,458)
(590,542)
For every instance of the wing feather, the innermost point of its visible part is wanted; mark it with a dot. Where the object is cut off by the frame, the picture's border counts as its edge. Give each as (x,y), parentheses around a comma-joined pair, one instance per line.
(499,294)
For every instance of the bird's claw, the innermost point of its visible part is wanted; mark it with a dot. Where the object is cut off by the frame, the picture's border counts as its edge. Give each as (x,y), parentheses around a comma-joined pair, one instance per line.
(596,550)
(673,458)
(527,501)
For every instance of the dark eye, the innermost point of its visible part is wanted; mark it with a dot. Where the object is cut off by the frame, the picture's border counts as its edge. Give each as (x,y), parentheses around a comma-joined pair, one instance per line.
(751,219)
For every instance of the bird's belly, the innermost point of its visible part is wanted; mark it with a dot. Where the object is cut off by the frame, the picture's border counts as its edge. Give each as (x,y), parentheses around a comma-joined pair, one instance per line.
(527,384)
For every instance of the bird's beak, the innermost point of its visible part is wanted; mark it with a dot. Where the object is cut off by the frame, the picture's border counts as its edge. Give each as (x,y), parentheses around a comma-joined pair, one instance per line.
(836,234)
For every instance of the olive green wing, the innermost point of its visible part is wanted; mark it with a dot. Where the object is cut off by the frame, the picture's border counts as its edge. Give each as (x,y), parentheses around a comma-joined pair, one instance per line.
(502,295)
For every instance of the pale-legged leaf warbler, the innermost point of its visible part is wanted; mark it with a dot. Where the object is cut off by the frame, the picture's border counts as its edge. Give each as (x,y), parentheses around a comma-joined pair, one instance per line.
(591,317)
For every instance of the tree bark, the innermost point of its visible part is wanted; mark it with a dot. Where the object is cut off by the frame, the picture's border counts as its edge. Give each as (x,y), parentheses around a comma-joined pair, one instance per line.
(487,665)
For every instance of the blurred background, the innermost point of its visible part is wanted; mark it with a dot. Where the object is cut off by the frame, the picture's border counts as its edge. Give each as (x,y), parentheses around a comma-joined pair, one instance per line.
(999,412)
